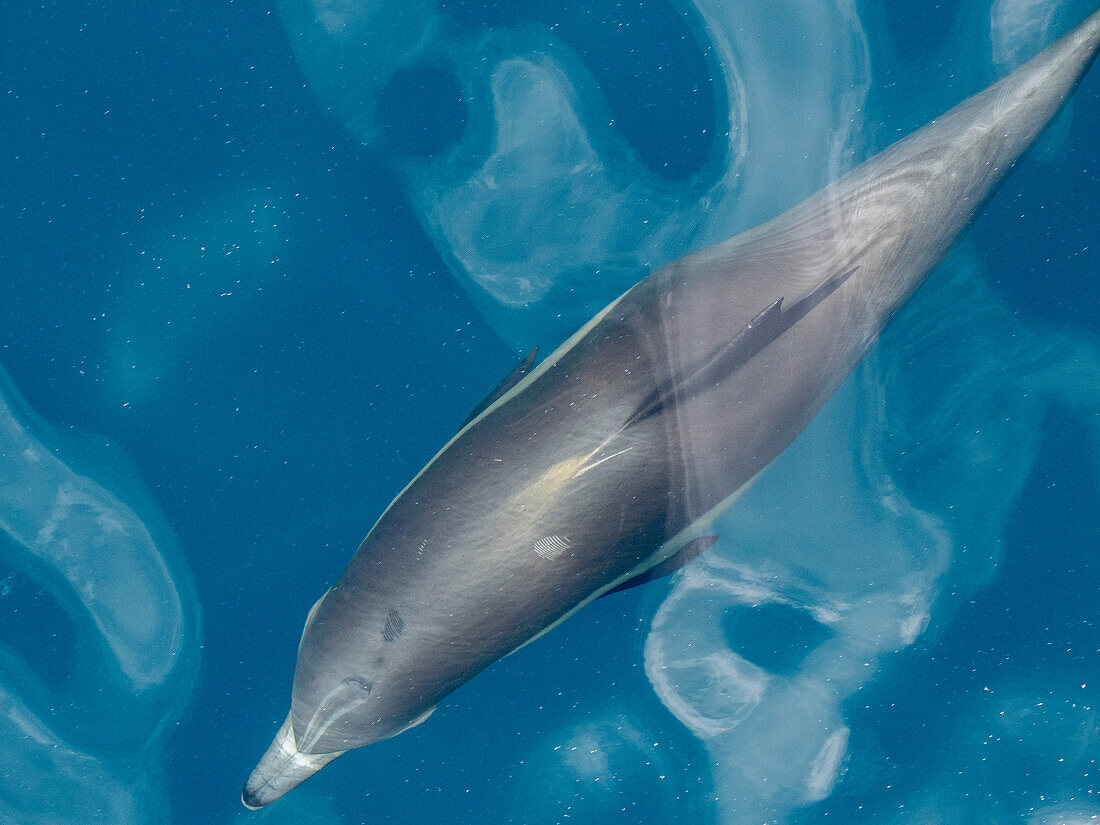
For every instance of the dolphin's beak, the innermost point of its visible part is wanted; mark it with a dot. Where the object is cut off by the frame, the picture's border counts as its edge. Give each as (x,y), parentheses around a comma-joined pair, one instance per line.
(282,769)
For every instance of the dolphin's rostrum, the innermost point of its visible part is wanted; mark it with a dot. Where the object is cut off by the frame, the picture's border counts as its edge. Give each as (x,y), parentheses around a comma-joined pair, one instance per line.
(604,465)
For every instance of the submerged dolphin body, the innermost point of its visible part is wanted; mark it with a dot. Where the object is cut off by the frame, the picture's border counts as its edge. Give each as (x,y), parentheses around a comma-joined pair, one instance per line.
(604,465)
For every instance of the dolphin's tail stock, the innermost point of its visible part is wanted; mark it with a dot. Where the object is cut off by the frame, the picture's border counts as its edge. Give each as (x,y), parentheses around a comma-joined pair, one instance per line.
(840,264)
(947,170)
(897,214)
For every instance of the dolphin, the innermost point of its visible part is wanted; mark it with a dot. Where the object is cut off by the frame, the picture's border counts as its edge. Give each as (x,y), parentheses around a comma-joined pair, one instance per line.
(604,466)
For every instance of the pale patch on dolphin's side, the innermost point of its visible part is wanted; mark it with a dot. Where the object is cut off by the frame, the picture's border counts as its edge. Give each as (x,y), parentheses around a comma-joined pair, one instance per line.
(551,547)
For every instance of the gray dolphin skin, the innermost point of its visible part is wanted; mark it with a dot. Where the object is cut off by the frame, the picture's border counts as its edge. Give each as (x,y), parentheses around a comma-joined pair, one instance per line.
(603,466)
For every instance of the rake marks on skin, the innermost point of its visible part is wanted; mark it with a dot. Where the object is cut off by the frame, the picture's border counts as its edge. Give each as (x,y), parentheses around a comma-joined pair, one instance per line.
(394,626)
(551,547)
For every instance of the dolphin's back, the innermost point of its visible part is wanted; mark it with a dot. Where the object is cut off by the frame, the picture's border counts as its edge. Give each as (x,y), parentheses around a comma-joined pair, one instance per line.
(535,506)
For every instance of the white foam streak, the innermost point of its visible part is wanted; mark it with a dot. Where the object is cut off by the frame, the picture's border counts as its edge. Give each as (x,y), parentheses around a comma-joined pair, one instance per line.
(96,559)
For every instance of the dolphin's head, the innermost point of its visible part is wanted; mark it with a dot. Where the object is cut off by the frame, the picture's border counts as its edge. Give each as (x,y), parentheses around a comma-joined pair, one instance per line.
(344,697)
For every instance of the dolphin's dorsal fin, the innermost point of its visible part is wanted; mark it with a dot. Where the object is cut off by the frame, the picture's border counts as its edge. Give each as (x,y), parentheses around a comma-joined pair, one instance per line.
(510,380)
(747,342)
(685,554)
(764,328)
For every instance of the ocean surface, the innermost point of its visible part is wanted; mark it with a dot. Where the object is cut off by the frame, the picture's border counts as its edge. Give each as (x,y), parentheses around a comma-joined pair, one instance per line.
(258,261)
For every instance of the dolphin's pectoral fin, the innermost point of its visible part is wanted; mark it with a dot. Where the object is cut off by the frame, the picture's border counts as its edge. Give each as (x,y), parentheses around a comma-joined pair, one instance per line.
(764,328)
(689,552)
(510,380)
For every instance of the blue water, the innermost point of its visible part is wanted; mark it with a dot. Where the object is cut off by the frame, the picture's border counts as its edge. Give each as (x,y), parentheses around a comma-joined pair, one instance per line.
(251,281)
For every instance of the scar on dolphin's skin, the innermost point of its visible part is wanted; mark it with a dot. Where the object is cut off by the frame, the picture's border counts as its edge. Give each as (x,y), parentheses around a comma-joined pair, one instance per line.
(551,547)
(595,464)
(394,626)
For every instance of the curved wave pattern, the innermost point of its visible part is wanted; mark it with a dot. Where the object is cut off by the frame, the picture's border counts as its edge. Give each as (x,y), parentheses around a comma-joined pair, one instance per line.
(610,765)
(1019,29)
(542,207)
(76,747)
(43,779)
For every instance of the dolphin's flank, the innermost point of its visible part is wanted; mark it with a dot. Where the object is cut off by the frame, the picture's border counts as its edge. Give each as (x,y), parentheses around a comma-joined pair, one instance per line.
(603,466)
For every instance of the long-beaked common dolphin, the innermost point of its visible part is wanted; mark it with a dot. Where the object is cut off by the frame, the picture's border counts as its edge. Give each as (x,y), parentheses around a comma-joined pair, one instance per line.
(603,466)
